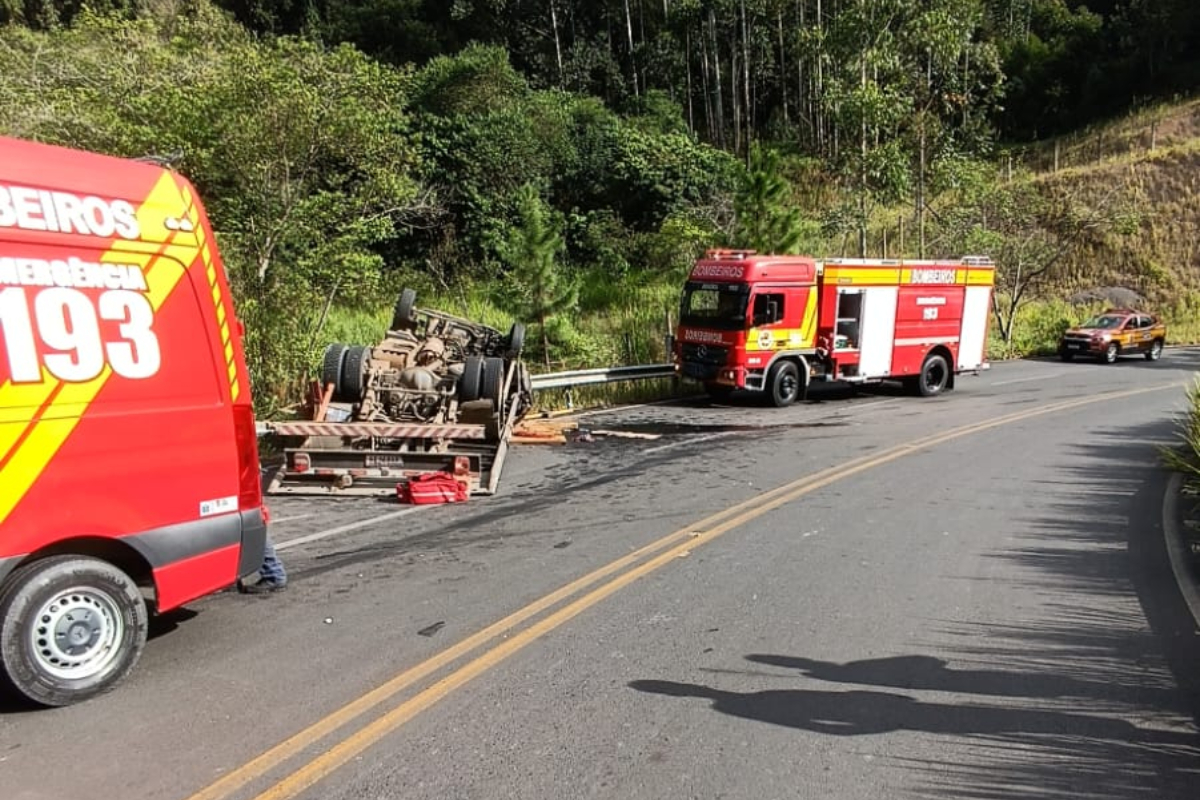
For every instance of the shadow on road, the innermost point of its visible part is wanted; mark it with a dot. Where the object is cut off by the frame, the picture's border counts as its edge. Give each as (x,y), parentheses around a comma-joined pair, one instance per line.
(1095,694)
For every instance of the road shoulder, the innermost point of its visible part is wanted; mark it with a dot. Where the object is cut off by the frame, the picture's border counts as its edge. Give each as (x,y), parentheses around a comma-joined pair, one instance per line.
(1180,539)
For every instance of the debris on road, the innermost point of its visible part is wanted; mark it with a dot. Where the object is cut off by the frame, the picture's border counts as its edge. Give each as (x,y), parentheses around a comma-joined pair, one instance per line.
(430,630)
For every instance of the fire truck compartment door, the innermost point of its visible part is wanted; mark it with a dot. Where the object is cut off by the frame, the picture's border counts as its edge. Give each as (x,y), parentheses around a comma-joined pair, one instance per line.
(878,330)
(974,327)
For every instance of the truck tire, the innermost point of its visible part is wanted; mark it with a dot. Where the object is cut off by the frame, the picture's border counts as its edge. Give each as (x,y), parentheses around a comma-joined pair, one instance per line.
(354,374)
(783,384)
(71,628)
(1155,351)
(493,381)
(515,342)
(935,375)
(404,315)
(331,367)
(1110,354)
(471,382)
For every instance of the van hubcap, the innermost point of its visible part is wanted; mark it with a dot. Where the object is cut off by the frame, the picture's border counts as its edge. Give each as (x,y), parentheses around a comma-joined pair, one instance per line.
(77,633)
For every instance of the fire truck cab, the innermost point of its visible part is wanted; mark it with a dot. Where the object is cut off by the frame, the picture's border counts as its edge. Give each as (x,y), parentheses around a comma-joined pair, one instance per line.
(776,323)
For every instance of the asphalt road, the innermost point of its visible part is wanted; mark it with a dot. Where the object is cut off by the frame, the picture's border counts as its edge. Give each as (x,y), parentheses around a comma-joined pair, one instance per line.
(857,597)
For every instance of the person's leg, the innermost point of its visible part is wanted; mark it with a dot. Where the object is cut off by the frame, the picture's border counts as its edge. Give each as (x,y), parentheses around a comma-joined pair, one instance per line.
(272,568)
(272,575)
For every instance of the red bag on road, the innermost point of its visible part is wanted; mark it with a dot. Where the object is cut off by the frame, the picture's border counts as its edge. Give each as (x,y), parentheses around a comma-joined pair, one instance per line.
(432,487)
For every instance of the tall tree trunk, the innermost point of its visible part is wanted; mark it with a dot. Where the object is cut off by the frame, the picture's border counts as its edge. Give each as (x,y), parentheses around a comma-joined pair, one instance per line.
(716,60)
(558,57)
(629,40)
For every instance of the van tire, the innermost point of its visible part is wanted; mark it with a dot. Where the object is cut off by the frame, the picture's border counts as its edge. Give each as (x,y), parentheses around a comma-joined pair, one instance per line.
(331,367)
(471,382)
(934,377)
(354,374)
(783,384)
(404,315)
(96,621)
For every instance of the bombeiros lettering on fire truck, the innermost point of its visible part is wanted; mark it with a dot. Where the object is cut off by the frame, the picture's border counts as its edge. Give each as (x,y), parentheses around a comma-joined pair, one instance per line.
(62,212)
(50,323)
(725,271)
(786,321)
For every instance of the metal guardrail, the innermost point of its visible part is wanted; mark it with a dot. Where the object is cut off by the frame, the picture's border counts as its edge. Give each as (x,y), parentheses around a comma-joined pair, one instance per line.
(582,377)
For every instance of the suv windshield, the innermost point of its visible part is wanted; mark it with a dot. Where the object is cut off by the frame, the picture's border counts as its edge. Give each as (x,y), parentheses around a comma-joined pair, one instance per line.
(1104,322)
(715,305)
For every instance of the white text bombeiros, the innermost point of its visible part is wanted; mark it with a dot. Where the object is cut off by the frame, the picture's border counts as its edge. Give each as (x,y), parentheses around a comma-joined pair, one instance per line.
(60,212)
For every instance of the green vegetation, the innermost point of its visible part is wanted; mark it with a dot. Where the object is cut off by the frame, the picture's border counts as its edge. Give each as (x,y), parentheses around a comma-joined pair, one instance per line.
(561,163)
(1185,458)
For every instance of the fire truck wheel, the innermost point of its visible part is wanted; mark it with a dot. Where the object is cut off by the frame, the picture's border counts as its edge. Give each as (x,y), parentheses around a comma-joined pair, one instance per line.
(1109,356)
(71,628)
(405,312)
(331,367)
(471,382)
(935,374)
(354,374)
(784,384)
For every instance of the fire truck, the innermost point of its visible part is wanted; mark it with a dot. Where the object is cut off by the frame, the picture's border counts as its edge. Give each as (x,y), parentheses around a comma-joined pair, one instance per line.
(777,323)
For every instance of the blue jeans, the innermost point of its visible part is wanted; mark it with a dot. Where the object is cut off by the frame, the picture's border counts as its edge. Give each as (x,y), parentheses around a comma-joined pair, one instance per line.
(272,568)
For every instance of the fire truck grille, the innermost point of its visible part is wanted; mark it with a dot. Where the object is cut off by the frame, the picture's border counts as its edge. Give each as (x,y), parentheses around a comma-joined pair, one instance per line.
(705,354)
(702,361)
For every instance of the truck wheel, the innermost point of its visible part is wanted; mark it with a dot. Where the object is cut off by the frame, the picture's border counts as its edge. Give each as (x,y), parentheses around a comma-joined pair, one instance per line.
(1155,351)
(331,367)
(354,374)
(405,312)
(71,628)
(1109,356)
(470,383)
(516,340)
(784,384)
(935,374)
(493,380)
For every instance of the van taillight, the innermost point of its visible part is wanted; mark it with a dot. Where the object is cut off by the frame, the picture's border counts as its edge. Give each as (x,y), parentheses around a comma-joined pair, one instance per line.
(249,477)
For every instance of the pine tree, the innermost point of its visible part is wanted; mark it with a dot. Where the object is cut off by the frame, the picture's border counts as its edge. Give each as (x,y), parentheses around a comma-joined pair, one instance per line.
(532,252)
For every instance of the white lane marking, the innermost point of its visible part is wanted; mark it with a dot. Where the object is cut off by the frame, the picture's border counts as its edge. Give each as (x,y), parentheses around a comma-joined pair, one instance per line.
(692,440)
(1027,380)
(282,520)
(362,523)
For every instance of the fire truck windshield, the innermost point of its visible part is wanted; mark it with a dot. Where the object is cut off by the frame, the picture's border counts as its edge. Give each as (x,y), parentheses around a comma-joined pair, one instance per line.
(715,305)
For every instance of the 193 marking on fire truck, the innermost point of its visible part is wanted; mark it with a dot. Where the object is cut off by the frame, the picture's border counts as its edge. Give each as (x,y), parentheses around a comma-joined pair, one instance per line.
(50,323)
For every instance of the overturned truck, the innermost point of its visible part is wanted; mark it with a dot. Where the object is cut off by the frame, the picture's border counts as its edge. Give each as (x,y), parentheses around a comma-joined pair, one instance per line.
(438,393)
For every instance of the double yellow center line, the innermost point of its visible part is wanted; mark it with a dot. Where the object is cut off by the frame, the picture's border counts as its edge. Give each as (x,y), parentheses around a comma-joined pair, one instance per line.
(613,577)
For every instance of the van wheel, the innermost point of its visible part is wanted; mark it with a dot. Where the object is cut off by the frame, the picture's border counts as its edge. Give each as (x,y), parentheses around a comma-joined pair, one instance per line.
(404,315)
(784,384)
(354,374)
(470,384)
(71,628)
(935,374)
(1155,351)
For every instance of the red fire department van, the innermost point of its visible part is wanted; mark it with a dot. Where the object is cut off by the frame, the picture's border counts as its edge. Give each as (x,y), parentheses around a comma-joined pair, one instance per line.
(129,473)
(774,324)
